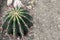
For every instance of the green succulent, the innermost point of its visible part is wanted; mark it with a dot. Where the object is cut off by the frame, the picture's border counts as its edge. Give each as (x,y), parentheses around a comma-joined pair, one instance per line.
(17,22)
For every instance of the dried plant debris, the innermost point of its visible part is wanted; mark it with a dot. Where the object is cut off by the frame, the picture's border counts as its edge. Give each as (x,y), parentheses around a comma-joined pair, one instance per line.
(31,4)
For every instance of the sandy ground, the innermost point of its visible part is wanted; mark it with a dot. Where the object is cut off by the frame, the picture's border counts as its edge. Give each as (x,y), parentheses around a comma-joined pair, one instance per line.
(47,20)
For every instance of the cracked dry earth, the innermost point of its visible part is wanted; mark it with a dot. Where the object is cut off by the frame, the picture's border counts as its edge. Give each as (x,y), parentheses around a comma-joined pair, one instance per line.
(46,16)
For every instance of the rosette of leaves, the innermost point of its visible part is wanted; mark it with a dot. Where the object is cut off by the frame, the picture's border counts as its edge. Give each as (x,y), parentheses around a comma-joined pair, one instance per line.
(17,22)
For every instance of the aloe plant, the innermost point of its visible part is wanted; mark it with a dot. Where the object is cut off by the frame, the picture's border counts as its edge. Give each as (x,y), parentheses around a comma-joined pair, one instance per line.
(17,22)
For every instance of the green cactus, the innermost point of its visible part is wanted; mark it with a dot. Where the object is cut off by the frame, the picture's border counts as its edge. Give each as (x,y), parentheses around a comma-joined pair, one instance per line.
(17,22)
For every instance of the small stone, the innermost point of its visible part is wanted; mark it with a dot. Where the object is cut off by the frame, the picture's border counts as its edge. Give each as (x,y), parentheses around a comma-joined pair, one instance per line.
(59,26)
(18,38)
(59,18)
(29,7)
